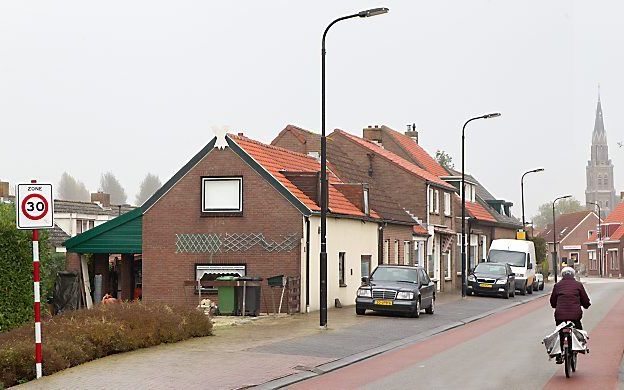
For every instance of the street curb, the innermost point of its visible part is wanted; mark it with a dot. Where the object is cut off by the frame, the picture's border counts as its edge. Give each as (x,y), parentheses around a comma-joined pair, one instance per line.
(398,344)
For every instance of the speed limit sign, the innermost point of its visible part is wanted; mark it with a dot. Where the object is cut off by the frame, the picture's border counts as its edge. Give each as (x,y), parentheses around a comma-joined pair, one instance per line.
(34,206)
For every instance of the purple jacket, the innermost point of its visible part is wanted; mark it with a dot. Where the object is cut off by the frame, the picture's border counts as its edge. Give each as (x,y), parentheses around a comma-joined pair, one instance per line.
(567,298)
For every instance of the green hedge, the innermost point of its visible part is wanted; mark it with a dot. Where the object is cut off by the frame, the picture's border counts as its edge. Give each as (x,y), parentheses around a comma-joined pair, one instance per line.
(77,337)
(16,280)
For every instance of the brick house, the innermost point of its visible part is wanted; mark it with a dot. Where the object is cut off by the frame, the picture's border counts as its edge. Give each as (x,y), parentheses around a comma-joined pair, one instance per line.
(423,195)
(573,232)
(240,207)
(608,261)
(489,218)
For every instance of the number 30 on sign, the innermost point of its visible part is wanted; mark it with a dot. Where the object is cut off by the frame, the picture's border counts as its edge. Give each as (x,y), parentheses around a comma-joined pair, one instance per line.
(34,206)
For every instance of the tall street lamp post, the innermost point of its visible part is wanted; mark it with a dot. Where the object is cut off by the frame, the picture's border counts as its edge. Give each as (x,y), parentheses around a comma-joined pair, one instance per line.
(599,237)
(463,191)
(522,190)
(324,191)
(554,261)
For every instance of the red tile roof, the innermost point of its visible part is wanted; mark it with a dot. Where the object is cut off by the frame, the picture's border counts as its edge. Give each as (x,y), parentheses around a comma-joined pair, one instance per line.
(565,224)
(277,160)
(420,230)
(417,152)
(399,161)
(616,216)
(478,211)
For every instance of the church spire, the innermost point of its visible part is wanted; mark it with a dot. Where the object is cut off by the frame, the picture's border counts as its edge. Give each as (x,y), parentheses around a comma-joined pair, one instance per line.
(599,136)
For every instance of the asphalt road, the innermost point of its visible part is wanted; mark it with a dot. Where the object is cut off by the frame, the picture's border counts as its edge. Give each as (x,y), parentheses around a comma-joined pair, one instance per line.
(501,351)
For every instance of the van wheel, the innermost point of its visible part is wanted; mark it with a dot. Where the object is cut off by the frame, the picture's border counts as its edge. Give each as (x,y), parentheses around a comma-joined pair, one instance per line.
(523,290)
(530,289)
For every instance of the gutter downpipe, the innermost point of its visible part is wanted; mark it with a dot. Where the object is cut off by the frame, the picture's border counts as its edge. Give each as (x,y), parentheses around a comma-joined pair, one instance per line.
(427,213)
(307,249)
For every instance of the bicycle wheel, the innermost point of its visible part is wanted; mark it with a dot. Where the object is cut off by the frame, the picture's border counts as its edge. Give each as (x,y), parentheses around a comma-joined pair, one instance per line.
(567,362)
(573,361)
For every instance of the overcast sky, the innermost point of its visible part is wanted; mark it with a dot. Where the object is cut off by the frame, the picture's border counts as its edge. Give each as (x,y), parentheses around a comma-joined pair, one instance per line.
(135,86)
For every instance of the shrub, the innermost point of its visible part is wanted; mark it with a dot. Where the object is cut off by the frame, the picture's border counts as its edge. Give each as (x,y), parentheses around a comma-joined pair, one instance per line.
(76,337)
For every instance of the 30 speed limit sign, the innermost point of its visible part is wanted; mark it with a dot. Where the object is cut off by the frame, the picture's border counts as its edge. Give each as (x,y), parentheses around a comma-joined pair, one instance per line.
(35,206)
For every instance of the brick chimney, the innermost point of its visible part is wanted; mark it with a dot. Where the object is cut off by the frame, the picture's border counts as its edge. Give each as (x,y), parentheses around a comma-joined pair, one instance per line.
(101,198)
(411,132)
(4,189)
(372,133)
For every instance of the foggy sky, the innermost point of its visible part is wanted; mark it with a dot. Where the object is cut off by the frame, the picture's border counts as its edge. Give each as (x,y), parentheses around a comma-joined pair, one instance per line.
(135,87)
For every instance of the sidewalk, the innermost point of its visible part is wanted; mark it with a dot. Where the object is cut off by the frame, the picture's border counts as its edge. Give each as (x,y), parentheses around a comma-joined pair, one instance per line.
(267,349)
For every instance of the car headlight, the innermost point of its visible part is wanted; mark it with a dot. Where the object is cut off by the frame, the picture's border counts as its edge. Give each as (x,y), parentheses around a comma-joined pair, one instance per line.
(405,295)
(364,293)
(501,281)
(471,278)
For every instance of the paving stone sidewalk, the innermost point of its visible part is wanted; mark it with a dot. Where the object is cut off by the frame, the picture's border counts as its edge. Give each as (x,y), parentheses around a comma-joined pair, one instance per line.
(259,351)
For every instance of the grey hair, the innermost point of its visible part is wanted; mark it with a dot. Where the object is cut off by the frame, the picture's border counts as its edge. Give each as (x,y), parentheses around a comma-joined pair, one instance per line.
(567,271)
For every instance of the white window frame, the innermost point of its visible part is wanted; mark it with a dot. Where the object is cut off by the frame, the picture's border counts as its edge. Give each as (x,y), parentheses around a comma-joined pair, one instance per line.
(366,204)
(592,260)
(226,209)
(447,204)
(447,262)
(431,201)
(437,201)
(407,249)
(483,247)
(386,251)
(396,252)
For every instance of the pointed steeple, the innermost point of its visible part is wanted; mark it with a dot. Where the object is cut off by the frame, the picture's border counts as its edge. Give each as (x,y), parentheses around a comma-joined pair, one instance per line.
(599,136)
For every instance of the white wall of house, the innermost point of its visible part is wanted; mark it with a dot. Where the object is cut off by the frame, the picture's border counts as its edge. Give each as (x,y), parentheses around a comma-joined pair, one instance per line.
(353,237)
(67,221)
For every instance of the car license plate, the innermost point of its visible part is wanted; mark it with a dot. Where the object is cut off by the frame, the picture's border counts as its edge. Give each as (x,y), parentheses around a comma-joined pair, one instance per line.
(486,285)
(383,302)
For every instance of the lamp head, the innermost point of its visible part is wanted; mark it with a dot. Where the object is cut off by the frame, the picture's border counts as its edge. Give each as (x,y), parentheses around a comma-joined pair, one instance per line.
(491,115)
(538,170)
(373,12)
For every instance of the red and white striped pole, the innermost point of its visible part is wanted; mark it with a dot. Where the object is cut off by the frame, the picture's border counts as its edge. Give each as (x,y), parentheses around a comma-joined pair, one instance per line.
(36,279)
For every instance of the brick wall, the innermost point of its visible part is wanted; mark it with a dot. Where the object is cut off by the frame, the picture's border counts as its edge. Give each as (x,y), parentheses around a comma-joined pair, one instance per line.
(178,211)
(400,233)
(288,141)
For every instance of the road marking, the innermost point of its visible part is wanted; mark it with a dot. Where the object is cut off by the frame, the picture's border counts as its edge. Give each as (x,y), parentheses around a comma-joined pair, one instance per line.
(601,368)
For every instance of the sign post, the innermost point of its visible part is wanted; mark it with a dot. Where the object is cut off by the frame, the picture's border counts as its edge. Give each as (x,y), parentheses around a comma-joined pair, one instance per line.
(35,210)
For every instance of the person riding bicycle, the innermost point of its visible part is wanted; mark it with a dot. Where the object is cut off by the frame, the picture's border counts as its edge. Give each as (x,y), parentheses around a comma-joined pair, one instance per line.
(567,298)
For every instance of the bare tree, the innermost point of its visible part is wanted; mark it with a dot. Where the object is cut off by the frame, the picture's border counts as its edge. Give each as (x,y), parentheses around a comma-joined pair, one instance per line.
(444,159)
(110,185)
(148,187)
(72,189)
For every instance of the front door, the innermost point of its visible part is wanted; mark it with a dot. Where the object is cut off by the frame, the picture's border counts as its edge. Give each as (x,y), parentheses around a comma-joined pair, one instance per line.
(436,261)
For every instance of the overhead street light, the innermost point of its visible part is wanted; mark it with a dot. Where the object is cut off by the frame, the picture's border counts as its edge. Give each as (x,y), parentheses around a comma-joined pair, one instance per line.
(522,190)
(324,187)
(463,191)
(555,260)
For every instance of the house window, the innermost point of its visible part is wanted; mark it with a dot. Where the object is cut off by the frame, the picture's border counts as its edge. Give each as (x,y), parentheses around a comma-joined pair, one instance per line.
(417,254)
(396,252)
(365,266)
(446,257)
(91,224)
(222,194)
(78,226)
(593,262)
(613,259)
(437,201)
(366,207)
(341,269)
(386,252)
(407,249)
(447,204)
(590,233)
(483,248)
(210,272)
(431,201)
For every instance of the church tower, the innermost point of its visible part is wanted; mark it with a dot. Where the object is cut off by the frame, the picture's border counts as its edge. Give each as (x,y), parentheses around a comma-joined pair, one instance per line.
(600,187)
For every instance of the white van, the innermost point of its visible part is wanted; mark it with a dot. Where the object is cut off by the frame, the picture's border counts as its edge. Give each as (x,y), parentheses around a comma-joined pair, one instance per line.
(520,255)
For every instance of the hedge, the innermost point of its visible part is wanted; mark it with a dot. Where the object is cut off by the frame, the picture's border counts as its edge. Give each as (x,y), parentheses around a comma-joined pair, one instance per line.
(77,337)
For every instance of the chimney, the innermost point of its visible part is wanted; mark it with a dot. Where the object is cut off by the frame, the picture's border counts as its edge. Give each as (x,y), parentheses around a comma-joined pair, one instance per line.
(101,198)
(411,132)
(372,134)
(4,189)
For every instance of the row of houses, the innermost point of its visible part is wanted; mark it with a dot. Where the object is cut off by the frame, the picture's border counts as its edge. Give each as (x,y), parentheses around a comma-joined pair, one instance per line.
(245,208)
(578,236)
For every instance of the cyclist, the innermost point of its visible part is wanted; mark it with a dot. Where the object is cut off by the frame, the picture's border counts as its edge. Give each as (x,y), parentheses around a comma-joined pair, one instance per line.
(567,298)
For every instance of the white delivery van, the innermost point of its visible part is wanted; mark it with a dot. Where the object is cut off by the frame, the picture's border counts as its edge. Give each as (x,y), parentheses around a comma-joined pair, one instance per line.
(520,255)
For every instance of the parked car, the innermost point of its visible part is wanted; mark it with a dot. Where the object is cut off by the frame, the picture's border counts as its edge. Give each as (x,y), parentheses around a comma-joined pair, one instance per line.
(396,289)
(520,255)
(540,281)
(492,279)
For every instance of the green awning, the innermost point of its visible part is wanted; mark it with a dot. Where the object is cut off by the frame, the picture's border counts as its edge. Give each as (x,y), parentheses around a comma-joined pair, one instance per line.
(120,235)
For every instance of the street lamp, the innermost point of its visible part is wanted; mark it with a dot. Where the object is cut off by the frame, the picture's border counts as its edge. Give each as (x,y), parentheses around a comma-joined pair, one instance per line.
(555,235)
(599,236)
(522,190)
(324,190)
(463,191)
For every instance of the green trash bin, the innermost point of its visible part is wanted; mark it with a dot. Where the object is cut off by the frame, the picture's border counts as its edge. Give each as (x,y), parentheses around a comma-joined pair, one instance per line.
(227,297)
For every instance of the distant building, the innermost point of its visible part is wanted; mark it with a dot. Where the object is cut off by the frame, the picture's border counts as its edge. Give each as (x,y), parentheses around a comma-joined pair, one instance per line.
(600,187)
